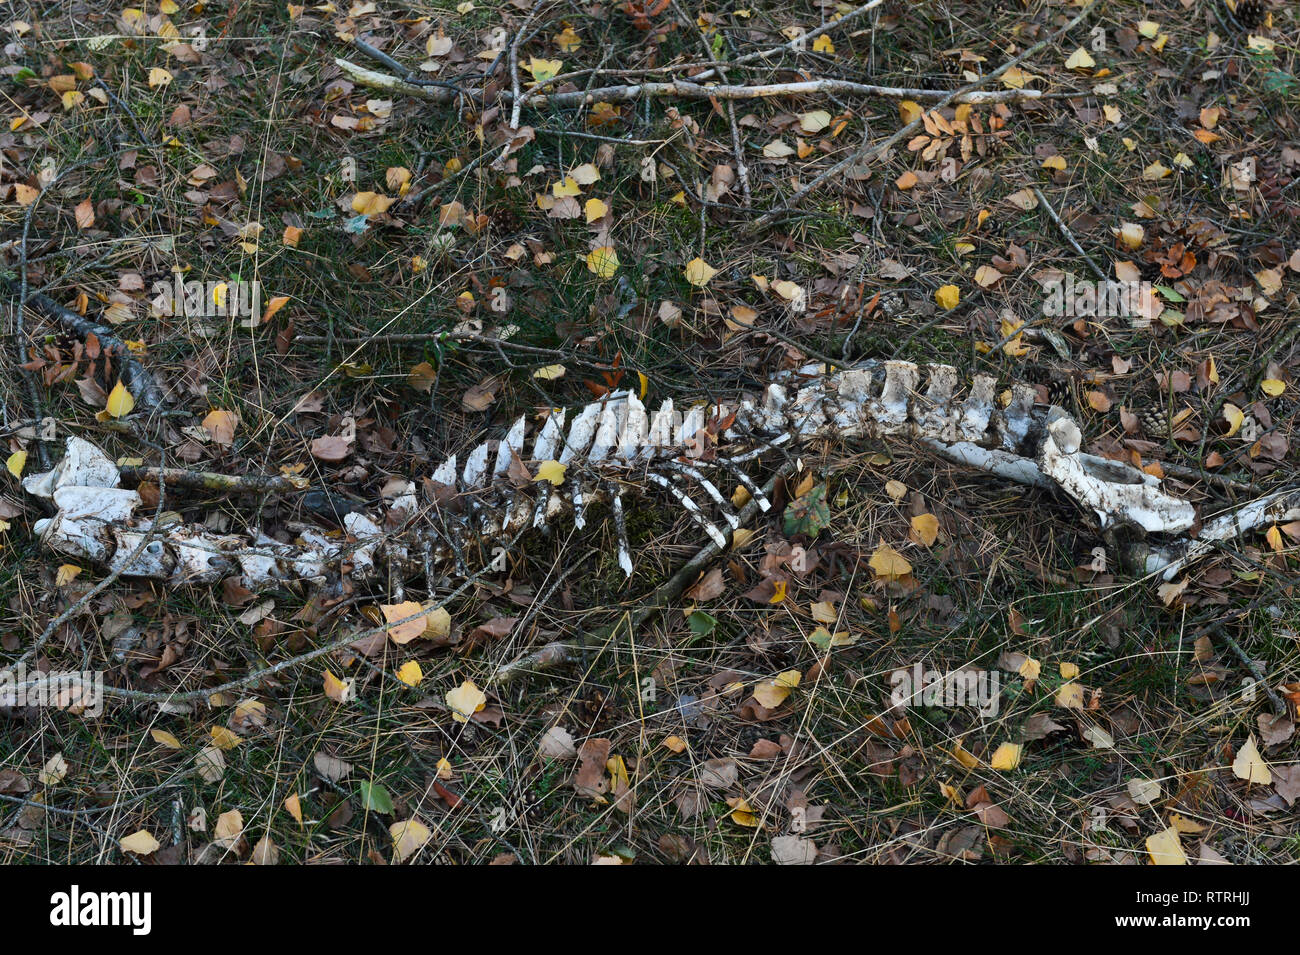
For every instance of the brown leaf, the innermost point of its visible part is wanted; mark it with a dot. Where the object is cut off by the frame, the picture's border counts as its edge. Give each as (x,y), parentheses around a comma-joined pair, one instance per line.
(85,214)
(708,587)
(480,397)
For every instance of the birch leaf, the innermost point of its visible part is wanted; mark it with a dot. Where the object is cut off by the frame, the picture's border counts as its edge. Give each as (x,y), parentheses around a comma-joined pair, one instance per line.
(119,402)
(1250,766)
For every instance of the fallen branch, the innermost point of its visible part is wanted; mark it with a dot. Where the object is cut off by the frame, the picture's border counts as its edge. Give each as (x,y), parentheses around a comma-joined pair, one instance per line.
(212,481)
(148,396)
(694,90)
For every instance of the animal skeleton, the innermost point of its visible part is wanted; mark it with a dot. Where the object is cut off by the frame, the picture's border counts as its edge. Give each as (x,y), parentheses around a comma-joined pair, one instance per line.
(615,443)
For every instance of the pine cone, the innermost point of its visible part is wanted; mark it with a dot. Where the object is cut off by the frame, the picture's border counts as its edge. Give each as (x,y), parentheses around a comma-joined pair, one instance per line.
(1154,421)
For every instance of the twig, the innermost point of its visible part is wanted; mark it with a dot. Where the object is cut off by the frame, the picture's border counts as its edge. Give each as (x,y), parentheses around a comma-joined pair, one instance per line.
(868,153)
(1279,706)
(1069,236)
(742,170)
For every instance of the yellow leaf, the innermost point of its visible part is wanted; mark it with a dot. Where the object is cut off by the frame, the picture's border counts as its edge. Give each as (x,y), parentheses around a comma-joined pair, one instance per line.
(1031,669)
(1006,757)
(403,632)
(1131,235)
(1157,170)
(410,673)
(408,838)
(948,296)
(1249,765)
(466,700)
(814,121)
(1148,28)
(140,843)
(603,262)
(168,7)
(772,693)
(1272,387)
(778,592)
(566,188)
(220,426)
(742,813)
(1070,696)
(223,738)
(437,624)
(119,402)
(1274,538)
(340,691)
(549,372)
(1069,671)
(543,70)
(926,528)
(552,471)
(675,743)
(371,203)
(1234,416)
(164,738)
(16,462)
(66,574)
(1054,162)
(567,40)
(595,209)
(823,44)
(1080,60)
(276,303)
(887,562)
(293,805)
(1016,78)
(1112,113)
(617,769)
(698,272)
(909,110)
(159,77)
(967,759)
(1165,849)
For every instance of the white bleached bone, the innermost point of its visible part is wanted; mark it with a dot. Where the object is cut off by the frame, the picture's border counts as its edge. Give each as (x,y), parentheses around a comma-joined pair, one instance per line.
(614,447)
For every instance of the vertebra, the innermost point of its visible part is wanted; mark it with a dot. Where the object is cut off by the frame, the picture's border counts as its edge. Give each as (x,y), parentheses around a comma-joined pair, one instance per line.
(613,444)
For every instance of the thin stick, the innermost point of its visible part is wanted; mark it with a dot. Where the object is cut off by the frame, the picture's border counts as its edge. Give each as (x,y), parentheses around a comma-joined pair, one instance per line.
(1069,236)
(742,171)
(1279,706)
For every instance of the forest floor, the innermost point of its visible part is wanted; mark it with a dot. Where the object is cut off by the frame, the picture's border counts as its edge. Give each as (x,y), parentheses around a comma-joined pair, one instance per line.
(547,225)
